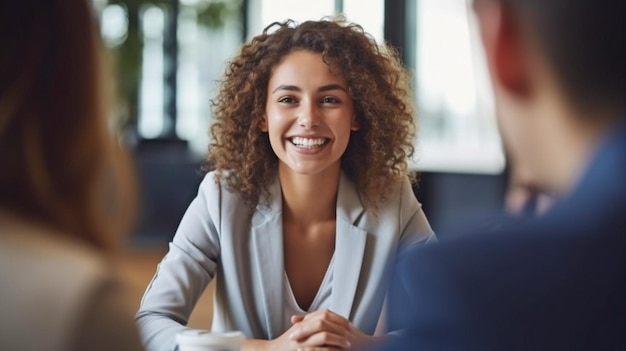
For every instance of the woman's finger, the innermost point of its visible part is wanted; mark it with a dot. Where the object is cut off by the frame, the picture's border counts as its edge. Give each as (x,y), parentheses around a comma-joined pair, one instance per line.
(296,318)
(308,327)
(326,339)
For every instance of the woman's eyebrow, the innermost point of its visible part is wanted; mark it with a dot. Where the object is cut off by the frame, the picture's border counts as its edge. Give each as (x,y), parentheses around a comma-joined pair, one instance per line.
(328,87)
(287,87)
(331,87)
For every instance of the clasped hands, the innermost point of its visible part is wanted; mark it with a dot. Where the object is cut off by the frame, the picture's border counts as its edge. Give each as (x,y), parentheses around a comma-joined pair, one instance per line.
(320,331)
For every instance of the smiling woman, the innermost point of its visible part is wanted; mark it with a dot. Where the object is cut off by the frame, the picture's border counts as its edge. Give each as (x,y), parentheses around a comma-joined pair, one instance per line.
(310,199)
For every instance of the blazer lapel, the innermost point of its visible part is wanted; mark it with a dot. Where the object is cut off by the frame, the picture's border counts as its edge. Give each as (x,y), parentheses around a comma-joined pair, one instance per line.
(349,248)
(267,237)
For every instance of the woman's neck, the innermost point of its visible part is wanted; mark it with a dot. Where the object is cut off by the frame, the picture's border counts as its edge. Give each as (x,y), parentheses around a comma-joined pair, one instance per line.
(309,199)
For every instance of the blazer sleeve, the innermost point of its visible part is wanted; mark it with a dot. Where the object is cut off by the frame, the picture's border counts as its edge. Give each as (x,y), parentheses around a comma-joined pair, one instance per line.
(415,232)
(415,227)
(184,272)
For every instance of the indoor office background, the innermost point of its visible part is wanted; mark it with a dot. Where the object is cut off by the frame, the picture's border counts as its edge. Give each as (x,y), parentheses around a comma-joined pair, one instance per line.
(168,55)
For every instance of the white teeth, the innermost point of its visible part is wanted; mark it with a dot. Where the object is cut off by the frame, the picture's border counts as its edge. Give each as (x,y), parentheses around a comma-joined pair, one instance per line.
(308,143)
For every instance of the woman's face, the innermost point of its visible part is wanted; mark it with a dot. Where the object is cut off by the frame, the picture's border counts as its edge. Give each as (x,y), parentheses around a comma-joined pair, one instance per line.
(309,114)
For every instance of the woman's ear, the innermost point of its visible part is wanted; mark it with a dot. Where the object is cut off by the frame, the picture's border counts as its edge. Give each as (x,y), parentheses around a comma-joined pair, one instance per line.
(263,125)
(355,124)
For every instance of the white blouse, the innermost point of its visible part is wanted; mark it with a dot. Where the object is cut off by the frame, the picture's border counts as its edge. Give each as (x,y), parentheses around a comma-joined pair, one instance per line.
(320,301)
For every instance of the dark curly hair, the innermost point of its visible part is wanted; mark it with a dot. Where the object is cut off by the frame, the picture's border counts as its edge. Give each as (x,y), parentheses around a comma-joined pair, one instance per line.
(377,154)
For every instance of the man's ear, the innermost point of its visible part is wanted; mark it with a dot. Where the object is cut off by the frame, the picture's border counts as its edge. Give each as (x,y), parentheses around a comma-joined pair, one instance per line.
(263,125)
(504,46)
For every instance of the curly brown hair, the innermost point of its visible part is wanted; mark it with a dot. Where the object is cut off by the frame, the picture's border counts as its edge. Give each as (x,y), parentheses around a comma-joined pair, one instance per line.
(377,154)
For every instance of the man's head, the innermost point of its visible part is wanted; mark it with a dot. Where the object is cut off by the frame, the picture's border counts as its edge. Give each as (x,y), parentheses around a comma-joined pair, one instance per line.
(559,76)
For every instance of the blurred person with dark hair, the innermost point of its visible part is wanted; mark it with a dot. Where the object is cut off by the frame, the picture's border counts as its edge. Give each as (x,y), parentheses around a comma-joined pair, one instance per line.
(309,201)
(558,281)
(64,185)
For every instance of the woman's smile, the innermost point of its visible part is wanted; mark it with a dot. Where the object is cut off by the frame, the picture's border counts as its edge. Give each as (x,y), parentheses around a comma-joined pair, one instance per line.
(308,143)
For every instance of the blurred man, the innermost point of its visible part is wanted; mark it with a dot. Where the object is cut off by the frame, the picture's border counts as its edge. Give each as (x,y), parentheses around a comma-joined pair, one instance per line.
(557,282)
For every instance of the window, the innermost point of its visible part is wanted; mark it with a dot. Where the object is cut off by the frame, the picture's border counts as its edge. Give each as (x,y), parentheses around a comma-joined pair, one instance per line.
(367,13)
(209,34)
(457,128)
(370,14)
(152,122)
(139,35)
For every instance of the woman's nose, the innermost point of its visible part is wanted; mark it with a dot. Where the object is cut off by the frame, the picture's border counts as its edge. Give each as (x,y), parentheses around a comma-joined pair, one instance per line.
(308,116)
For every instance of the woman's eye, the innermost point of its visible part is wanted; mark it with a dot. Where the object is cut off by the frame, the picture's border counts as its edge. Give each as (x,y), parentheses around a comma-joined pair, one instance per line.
(287,100)
(329,100)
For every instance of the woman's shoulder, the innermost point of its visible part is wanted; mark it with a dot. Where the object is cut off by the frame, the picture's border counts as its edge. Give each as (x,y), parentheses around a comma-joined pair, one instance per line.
(32,239)
(216,184)
(395,196)
(45,268)
(44,251)
(218,195)
(400,195)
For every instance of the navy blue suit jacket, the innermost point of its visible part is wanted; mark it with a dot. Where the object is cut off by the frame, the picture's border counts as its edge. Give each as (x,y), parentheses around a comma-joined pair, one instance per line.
(554,283)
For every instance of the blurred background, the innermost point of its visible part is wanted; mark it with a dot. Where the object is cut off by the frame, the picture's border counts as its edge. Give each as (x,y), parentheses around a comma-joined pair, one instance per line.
(167,55)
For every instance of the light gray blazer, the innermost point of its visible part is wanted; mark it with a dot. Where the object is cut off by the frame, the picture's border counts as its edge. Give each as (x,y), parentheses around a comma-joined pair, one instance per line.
(220,238)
